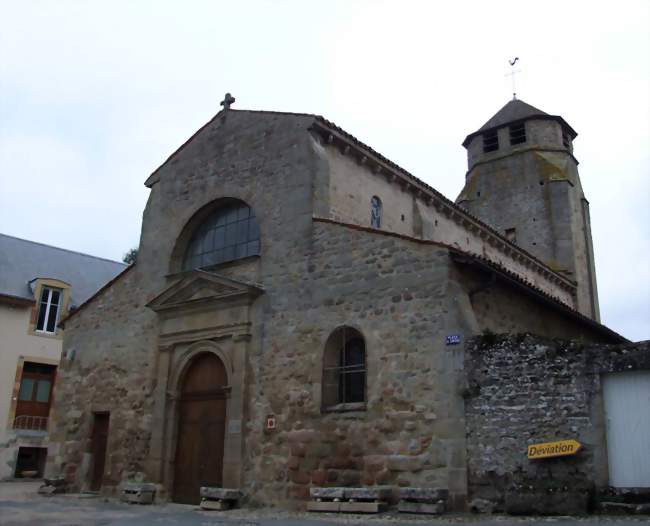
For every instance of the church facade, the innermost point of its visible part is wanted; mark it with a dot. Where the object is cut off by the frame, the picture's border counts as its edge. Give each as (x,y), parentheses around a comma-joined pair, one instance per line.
(299,308)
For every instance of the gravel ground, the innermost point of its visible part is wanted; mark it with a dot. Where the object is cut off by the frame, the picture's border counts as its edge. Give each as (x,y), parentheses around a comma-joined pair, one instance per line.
(20,505)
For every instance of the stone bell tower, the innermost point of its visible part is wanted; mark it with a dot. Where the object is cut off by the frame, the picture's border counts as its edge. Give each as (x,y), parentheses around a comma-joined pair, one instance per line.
(523,180)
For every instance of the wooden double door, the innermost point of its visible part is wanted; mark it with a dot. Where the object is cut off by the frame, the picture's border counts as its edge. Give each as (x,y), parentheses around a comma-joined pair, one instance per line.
(201,428)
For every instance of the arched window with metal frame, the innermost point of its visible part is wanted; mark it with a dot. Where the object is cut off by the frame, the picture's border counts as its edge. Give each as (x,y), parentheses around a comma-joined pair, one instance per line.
(228,234)
(344,371)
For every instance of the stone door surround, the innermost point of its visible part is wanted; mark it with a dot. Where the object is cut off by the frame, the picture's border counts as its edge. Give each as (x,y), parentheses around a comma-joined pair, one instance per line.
(202,312)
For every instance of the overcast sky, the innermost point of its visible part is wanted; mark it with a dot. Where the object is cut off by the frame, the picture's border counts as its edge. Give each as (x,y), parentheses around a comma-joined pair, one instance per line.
(95,95)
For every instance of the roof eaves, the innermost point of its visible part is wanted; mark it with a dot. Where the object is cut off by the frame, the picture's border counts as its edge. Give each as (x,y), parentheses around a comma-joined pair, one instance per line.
(11,299)
(534,289)
(537,116)
(154,177)
(73,313)
(550,299)
(424,187)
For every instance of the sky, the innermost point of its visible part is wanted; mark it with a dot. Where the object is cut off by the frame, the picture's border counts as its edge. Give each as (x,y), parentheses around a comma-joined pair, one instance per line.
(95,95)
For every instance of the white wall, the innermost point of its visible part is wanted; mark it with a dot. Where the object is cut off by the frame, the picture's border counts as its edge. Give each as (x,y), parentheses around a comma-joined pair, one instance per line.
(16,342)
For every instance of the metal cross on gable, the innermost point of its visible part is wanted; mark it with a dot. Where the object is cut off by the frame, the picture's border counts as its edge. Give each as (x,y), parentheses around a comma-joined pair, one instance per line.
(227,101)
(512,74)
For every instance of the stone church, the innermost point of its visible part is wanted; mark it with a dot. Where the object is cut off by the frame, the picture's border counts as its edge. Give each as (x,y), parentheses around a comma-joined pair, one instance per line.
(298,312)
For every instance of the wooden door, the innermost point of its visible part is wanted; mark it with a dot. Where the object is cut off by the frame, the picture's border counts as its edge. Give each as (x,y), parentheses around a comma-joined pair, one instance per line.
(34,396)
(201,429)
(99,440)
(627,410)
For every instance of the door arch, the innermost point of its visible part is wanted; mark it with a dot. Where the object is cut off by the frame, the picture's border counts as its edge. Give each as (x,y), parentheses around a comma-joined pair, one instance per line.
(201,428)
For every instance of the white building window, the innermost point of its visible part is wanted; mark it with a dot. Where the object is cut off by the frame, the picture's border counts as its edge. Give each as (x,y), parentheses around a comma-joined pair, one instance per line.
(48,309)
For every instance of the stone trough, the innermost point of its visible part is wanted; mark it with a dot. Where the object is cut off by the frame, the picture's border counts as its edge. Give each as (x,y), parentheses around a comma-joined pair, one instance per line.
(219,499)
(431,501)
(349,500)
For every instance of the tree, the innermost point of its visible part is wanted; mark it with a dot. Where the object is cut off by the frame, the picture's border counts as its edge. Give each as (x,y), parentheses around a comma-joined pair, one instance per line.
(131,256)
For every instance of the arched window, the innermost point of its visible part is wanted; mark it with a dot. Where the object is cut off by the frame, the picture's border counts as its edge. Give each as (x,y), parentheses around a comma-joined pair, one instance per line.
(344,370)
(375,212)
(229,233)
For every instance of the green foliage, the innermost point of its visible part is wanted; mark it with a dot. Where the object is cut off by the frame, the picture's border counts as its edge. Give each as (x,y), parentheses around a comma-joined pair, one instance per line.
(131,256)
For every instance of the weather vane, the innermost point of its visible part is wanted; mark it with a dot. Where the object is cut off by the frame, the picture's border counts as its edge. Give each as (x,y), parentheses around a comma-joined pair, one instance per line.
(512,74)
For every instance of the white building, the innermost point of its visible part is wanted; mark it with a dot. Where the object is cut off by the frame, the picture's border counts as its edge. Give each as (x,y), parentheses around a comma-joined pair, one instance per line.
(39,284)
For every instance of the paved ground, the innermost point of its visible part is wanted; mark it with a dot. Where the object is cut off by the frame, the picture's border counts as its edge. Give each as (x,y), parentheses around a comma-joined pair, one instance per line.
(21,506)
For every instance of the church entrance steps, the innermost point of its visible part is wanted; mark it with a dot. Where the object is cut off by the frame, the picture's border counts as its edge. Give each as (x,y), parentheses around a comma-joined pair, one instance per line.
(431,501)
(219,499)
(349,500)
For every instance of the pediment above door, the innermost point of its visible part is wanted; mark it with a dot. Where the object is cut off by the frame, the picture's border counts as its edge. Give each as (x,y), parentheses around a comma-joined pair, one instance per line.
(202,288)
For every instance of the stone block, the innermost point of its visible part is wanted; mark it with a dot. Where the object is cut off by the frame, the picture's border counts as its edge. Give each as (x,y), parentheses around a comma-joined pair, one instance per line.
(212,493)
(362,507)
(617,507)
(374,493)
(215,505)
(55,481)
(324,506)
(326,493)
(47,490)
(428,508)
(564,503)
(423,494)
(481,506)
(138,493)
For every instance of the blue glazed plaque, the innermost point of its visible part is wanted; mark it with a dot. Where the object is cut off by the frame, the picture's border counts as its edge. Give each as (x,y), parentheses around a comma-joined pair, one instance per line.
(452,339)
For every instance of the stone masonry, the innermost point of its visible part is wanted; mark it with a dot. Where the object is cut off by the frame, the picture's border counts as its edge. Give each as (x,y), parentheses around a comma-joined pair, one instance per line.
(525,389)
(268,317)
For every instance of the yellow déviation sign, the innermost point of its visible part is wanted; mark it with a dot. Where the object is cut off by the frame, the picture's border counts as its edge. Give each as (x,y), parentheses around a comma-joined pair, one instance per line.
(561,448)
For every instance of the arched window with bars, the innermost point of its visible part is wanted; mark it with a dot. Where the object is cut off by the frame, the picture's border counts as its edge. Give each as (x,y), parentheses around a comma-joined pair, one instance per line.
(344,371)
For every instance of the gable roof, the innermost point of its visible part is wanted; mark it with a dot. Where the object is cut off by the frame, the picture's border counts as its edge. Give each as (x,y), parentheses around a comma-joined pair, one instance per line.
(23,261)
(517,111)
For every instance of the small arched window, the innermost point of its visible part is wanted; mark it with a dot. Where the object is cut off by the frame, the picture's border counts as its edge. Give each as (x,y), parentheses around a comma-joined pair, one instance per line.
(228,234)
(344,370)
(375,212)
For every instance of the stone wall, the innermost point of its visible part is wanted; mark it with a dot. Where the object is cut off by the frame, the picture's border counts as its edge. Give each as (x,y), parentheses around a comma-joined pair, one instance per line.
(404,296)
(397,294)
(107,366)
(413,214)
(525,389)
(535,188)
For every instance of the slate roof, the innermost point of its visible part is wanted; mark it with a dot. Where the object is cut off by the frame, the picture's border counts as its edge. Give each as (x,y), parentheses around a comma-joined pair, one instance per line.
(516,111)
(22,261)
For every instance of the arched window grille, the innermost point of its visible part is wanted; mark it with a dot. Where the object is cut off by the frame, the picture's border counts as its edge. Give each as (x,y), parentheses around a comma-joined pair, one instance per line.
(375,212)
(344,370)
(230,233)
